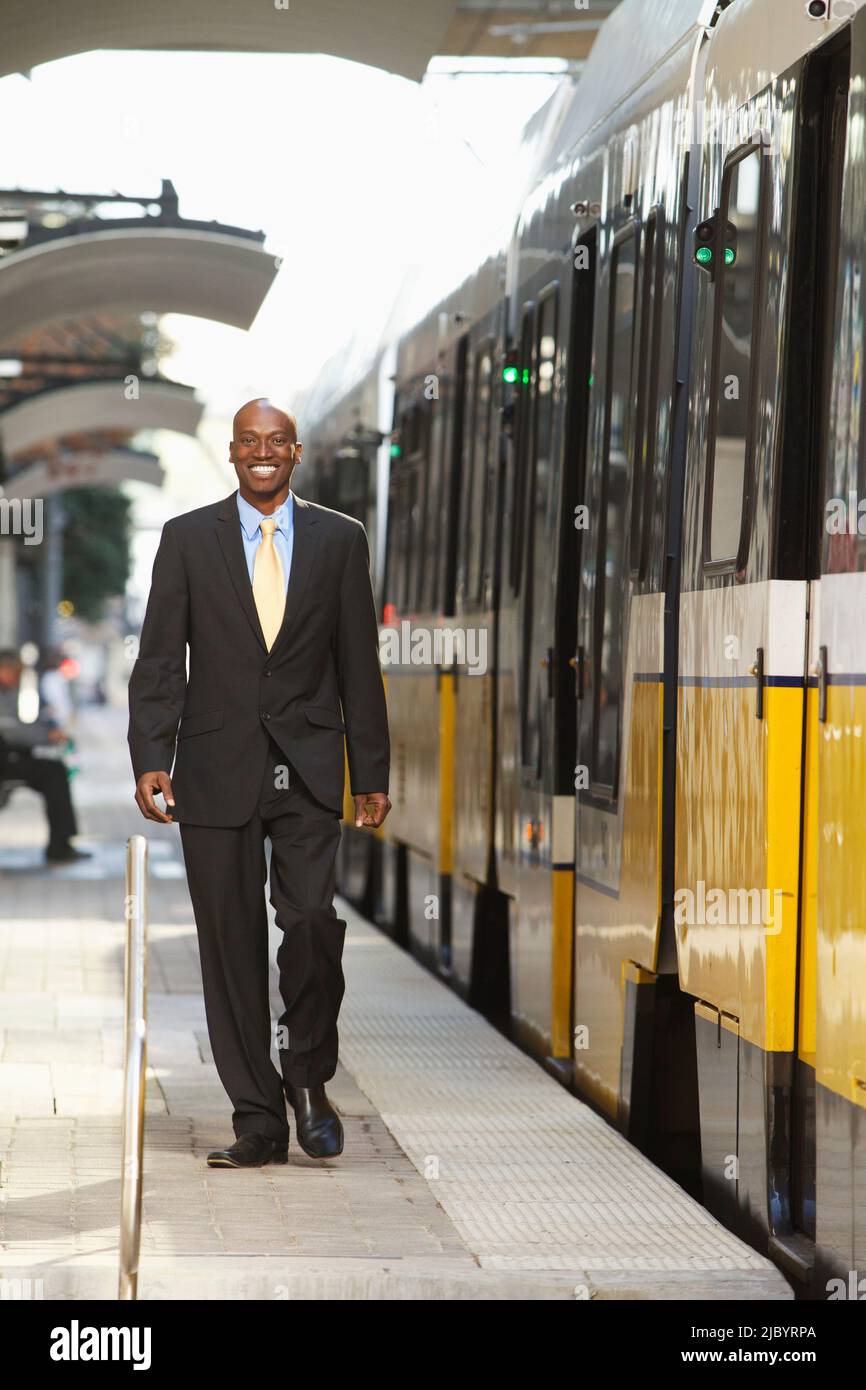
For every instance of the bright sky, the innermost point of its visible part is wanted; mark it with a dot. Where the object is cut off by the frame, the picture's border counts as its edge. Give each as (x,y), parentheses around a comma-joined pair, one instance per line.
(355,176)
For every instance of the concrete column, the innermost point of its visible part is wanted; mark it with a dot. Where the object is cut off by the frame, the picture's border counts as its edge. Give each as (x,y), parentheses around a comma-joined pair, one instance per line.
(51,577)
(8,593)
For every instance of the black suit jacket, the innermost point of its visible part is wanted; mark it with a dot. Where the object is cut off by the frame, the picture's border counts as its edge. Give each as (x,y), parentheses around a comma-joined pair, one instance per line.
(326,655)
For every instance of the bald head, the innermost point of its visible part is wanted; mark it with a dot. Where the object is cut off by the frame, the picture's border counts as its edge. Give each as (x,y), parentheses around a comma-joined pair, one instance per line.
(265,451)
(253,410)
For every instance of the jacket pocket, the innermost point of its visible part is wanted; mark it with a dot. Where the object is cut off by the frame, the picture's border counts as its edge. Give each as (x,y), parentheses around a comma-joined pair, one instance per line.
(200,723)
(327,718)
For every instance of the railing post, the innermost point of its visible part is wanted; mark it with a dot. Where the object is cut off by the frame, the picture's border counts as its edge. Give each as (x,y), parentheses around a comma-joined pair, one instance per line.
(134,1063)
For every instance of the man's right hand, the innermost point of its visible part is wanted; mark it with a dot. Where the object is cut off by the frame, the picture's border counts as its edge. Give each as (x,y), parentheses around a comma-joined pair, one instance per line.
(148,785)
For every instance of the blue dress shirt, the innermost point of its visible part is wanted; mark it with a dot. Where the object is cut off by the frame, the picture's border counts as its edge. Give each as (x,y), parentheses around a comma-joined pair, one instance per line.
(251,533)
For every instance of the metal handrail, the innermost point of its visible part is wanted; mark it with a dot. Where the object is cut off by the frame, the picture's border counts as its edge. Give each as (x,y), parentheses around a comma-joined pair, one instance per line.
(134,1063)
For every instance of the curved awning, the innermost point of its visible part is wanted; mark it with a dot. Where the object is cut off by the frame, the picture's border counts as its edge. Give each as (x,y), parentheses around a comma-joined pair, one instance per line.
(389,34)
(97,405)
(164,269)
(84,468)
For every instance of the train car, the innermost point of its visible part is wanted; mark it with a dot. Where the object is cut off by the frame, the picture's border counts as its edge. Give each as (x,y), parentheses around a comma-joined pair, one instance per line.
(436,601)
(634,168)
(434,885)
(450,407)
(768,834)
(653,861)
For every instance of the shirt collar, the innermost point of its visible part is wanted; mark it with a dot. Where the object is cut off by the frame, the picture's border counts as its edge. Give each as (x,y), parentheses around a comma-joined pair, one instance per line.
(251,517)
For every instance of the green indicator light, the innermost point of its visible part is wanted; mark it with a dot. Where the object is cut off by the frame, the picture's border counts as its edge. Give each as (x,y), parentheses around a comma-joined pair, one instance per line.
(509,375)
(730,255)
(591,378)
(395,451)
(704,255)
(525,377)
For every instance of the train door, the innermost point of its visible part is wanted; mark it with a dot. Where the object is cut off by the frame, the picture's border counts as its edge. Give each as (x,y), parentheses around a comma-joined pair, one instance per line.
(602,636)
(538,586)
(745,761)
(508,839)
(830,1115)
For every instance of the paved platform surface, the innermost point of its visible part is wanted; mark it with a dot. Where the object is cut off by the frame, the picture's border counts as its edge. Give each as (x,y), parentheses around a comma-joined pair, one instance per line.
(467,1172)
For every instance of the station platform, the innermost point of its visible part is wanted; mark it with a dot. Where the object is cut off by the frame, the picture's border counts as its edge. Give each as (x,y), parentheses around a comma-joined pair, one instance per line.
(468,1173)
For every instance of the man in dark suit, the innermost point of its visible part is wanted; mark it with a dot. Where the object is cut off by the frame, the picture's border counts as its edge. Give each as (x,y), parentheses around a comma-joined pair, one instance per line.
(272,596)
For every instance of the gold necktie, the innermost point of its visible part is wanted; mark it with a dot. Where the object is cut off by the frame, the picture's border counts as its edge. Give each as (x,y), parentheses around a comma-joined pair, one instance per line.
(269,583)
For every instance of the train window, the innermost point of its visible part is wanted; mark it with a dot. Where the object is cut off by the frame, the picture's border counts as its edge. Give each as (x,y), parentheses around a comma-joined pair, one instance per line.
(349,481)
(451,472)
(610,558)
(404,513)
(417,478)
(477,464)
(412,505)
(432,536)
(539,522)
(395,568)
(647,391)
(467,457)
(521,450)
(730,433)
(577,385)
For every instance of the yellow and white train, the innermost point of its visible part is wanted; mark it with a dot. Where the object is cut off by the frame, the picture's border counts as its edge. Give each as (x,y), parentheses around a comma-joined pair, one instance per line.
(626,459)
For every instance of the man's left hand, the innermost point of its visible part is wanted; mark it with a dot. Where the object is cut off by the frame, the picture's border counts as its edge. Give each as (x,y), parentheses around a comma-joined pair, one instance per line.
(371,808)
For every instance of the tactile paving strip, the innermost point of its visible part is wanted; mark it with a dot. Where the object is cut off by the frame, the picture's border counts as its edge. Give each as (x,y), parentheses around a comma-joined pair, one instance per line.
(531,1177)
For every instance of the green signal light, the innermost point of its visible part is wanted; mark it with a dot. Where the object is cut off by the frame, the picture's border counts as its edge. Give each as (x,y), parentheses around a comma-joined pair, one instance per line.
(509,375)
(591,378)
(704,255)
(525,377)
(730,255)
(395,451)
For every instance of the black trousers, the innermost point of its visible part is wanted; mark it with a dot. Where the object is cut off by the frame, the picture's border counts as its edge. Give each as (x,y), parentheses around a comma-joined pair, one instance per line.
(48,777)
(226,871)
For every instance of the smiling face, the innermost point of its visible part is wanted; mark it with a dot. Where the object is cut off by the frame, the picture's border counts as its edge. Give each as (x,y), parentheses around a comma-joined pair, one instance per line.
(265,452)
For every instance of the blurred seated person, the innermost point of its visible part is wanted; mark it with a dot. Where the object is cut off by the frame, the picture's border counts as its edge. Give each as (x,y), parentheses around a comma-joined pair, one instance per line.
(20,763)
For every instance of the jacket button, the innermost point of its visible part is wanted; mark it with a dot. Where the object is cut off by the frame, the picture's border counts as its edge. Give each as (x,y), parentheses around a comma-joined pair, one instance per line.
(265,715)
(267,673)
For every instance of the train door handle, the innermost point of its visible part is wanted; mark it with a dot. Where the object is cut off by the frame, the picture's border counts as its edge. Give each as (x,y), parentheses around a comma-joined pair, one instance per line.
(547,663)
(819,670)
(757,670)
(576,664)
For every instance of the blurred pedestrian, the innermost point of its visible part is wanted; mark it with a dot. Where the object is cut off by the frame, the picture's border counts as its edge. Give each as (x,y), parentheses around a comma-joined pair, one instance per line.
(20,762)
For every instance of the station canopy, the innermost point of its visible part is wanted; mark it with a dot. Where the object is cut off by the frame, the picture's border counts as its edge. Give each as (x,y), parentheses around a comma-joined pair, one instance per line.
(85,467)
(159,262)
(35,427)
(400,36)
(84,280)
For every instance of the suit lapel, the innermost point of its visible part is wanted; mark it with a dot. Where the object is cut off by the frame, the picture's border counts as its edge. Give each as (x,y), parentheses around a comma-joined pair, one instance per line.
(229,535)
(304,540)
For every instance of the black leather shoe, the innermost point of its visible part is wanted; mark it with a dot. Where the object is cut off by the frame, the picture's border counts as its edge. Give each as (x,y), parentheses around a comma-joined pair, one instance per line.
(65,854)
(250,1151)
(320,1133)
